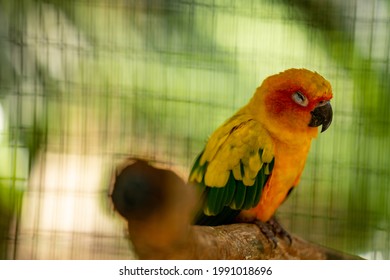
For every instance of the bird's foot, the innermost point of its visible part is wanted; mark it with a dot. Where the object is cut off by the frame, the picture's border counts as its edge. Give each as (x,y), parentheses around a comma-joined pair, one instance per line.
(272,229)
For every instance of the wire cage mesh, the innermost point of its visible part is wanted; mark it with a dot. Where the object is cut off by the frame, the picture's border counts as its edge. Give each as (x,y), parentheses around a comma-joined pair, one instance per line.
(84,84)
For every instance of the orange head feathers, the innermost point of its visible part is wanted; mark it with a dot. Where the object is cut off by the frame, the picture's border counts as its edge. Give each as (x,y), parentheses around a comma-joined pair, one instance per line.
(295,101)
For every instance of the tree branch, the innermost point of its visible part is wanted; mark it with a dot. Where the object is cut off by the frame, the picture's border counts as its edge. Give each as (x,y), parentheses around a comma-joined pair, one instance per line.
(158,207)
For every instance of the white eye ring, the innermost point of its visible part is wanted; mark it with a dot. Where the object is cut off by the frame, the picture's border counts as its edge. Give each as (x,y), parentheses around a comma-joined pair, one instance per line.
(300,99)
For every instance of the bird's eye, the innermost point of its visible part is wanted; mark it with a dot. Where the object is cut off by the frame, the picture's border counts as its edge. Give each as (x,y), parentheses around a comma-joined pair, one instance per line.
(300,99)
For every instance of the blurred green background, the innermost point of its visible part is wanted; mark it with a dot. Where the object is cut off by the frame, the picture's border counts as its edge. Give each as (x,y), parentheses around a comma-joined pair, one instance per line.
(84,84)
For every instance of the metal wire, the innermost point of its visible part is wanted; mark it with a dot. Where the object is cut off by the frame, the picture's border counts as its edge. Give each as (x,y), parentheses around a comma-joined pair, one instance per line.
(84,84)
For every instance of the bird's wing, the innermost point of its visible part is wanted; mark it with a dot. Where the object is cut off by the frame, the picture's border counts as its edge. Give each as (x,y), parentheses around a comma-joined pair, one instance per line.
(232,169)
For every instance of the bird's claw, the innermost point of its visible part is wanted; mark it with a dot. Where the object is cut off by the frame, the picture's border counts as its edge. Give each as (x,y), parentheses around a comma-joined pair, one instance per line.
(271,229)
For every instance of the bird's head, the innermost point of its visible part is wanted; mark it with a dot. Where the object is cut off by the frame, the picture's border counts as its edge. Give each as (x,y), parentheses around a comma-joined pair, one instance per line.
(293,102)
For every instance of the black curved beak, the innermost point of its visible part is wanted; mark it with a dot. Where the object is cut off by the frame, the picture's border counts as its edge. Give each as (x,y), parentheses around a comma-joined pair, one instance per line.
(321,115)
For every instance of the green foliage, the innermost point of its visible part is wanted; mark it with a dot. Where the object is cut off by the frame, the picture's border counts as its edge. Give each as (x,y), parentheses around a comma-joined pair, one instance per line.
(155,78)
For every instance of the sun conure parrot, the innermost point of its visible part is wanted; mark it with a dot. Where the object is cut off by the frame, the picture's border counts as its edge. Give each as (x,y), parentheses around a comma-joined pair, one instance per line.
(252,162)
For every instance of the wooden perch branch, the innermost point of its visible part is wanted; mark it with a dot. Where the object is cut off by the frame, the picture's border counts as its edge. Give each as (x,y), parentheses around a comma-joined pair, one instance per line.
(158,206)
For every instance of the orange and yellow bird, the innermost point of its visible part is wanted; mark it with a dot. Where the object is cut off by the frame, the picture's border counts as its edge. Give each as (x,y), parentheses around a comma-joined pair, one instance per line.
(251,163)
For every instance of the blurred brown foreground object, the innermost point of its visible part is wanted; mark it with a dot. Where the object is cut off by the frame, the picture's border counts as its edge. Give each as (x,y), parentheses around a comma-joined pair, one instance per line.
(158,206)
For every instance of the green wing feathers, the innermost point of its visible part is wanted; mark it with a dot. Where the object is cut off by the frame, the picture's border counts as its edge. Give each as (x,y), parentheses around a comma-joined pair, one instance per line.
(232,170)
